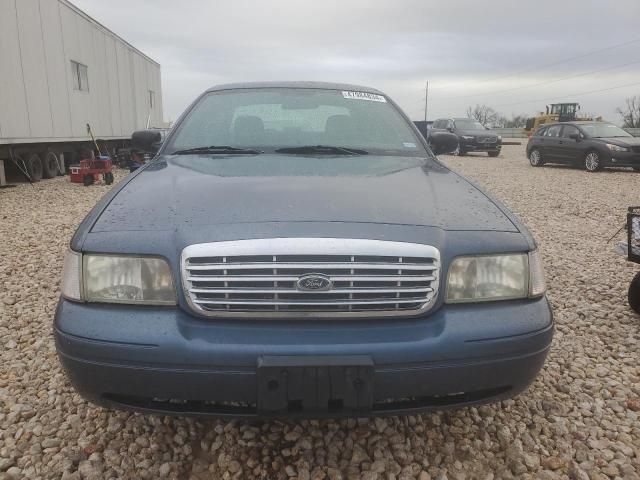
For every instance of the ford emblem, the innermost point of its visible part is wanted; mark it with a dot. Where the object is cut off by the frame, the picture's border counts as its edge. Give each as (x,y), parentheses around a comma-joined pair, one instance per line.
(314,282)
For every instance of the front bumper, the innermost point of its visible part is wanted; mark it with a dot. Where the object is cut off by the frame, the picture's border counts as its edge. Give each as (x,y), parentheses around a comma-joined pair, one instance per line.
(625,159)
(166,361)
(475,146)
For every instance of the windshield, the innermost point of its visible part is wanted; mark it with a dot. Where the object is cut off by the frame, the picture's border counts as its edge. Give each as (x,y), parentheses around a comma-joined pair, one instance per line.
(270,119)
(603,130)
(469,125)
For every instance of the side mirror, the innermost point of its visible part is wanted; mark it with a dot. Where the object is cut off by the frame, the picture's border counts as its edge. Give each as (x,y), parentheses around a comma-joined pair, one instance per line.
(444,143)
(450,129)
(148,141)
(575,136)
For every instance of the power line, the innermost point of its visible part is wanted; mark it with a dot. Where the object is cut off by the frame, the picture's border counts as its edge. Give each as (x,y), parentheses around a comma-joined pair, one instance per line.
(570,95)
(548,81)
(558,62)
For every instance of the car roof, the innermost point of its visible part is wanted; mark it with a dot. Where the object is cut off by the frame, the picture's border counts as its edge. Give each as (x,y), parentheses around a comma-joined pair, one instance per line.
(576,122)
(310,85)
(454,118)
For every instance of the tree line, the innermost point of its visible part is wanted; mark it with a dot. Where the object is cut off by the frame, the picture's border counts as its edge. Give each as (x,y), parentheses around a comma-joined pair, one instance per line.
(488,116)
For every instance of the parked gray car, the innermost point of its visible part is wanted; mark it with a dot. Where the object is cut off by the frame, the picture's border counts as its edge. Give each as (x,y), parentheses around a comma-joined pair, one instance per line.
(296,249)
(590,145)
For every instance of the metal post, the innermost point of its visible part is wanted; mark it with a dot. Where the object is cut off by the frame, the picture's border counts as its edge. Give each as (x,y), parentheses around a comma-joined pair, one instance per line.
(3,178)
(426,102)
(61,166)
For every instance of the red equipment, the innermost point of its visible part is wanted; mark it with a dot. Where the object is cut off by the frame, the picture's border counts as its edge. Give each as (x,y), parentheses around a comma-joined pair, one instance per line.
(90,171)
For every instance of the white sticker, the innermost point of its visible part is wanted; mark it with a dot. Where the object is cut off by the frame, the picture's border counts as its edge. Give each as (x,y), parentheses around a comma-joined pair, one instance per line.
(372,97)
(409,145)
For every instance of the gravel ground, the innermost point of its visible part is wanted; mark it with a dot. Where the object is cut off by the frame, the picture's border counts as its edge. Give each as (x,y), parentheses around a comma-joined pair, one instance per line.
(579,420)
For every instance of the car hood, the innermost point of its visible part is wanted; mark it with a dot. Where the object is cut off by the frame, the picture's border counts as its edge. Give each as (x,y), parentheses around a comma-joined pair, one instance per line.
(623,141)
(191,191)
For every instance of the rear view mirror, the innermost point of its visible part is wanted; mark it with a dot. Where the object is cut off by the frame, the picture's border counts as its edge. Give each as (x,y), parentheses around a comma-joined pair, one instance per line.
(148,141)
(444,143)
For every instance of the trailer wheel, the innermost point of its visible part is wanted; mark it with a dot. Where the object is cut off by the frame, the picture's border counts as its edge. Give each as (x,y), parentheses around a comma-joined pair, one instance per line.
(49,165)
(34,167)
(634,293)
(108,178)
(87,180)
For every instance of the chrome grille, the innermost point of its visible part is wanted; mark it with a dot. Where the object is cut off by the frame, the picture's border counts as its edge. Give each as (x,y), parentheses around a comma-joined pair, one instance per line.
(487,139)
(261,277)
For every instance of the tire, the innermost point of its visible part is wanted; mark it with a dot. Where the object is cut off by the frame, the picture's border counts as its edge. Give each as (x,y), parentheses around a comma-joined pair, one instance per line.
(49,165)
(493,154)
(34,167)
(535,158)
(634,293)
(108,178)
(459,152)
(87,180)
(592,161)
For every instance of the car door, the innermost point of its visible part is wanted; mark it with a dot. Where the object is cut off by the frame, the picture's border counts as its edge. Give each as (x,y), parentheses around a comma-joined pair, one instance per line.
(569,149)
(550,143)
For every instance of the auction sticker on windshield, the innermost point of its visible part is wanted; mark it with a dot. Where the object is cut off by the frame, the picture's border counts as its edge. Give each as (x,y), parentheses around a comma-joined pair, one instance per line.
(372,97)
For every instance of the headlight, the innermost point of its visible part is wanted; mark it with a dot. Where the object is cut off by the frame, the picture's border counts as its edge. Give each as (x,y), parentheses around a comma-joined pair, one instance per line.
(468,137)
(127,279)
(499,138)
(616,148)
(537,285)
(72,276)
(494,277)
(117,279)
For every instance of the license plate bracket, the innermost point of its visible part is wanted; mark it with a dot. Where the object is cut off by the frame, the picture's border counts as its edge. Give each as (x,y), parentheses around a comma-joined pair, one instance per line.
(289,385)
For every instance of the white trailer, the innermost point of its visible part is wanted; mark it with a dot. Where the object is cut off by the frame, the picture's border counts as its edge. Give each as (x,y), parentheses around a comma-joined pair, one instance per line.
(61,70)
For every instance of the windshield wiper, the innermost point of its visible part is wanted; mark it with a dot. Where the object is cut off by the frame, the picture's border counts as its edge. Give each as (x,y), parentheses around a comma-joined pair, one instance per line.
(323,149)
(217,149)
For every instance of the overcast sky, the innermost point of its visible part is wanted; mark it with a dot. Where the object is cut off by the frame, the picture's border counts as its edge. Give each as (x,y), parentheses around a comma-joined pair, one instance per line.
(470,51)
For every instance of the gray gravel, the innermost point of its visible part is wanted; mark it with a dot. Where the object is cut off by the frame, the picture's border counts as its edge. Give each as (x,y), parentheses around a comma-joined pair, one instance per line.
(579,420)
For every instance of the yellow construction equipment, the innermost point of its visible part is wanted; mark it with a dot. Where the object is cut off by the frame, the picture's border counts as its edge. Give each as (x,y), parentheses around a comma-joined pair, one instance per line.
(557,112)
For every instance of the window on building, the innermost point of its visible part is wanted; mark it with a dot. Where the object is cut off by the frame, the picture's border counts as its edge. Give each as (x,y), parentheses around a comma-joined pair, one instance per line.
(80,75)
(152,99)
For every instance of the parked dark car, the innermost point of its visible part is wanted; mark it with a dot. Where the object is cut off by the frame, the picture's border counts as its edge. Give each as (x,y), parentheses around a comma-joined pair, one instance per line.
(592,145)
(296,249)
(472,136)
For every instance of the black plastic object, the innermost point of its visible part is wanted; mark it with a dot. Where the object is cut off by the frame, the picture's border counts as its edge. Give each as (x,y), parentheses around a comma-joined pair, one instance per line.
(314,384)
(634,293)
(633,234)
(148,141)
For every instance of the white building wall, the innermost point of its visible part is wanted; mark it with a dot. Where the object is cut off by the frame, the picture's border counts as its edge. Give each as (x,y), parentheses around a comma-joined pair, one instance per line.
(57,68)
(14,116)
(38,103)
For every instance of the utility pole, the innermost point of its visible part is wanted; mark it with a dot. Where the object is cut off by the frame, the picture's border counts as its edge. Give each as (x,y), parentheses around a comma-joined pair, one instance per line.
(426,101)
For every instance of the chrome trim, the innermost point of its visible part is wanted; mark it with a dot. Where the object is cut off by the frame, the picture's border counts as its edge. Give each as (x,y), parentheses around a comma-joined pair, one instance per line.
(215,256)
(293,278)
(345,265)
(392,301)
(293,290)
